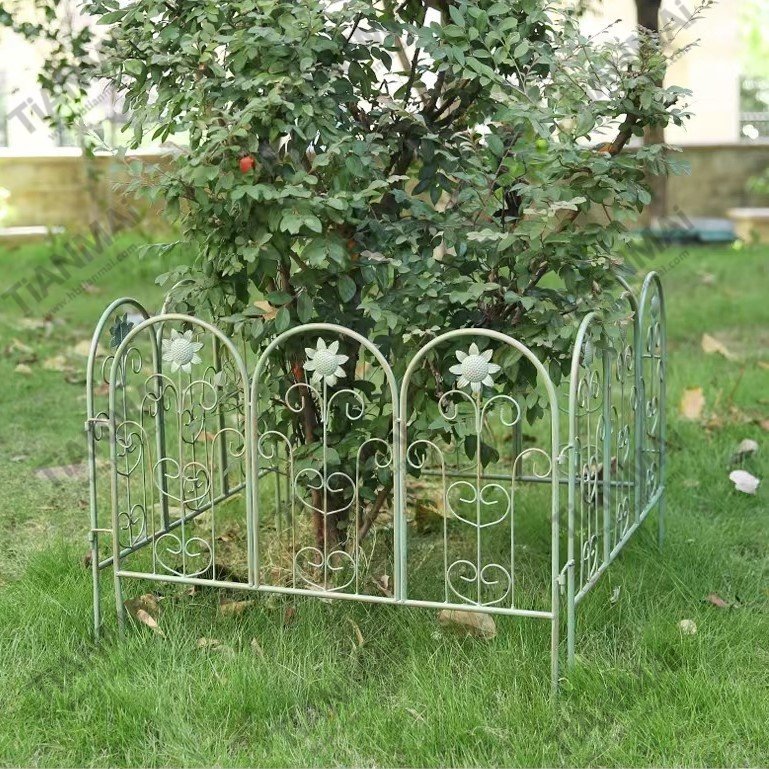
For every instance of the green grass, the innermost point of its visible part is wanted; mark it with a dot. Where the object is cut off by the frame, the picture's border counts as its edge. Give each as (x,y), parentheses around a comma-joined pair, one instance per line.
(642,693)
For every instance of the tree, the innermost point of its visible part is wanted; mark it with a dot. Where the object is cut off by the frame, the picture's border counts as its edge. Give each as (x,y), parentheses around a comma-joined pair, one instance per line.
(400,168)
(648,18)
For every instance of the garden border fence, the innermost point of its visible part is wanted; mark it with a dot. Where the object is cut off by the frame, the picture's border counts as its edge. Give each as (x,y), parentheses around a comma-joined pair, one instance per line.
(194,440)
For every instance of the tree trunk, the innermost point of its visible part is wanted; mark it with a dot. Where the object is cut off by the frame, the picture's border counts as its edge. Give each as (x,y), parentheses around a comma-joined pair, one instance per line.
(648,13)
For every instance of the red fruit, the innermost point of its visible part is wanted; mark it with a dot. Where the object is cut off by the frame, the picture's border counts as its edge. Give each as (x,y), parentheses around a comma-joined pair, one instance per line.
(246,164)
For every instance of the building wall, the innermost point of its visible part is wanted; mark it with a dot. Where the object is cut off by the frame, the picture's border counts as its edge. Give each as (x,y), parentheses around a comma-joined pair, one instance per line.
(711,70)
(63,189)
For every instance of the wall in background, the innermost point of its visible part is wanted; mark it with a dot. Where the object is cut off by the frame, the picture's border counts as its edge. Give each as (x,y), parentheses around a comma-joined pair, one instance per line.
(63,189)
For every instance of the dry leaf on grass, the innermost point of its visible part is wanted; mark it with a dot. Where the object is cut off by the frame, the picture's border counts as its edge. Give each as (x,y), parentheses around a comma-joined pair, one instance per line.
(692,403)
(743,481)
(17,346)
(234,608)
(145,609)
(747,447)
(56,363)
(615,595)
(688,626)
(215,645)
(711,345)
(83,349)
(359,639)
(256,647)
(716,600)
(469,623)
(23,368)
(383,584)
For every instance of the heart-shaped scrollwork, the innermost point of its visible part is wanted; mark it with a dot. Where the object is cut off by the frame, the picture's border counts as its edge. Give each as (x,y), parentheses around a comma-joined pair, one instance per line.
(195,552)
(193,479)
(311,561)
(134,523)
(334,484)
(491,575)
(466,493)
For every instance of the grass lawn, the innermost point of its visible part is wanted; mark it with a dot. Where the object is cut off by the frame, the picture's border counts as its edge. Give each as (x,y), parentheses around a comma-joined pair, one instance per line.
(643,693)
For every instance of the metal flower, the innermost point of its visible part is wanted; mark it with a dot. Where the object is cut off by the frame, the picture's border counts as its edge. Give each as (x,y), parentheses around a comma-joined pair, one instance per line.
(474,368)
(119,330)
(181,351)
(325,363)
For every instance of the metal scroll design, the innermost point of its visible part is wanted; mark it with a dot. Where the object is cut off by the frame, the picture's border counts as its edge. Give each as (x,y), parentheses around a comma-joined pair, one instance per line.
(175,436)
(478,501)
(603,415)
(323,486)
(652,373)
(588,438)
(477,504)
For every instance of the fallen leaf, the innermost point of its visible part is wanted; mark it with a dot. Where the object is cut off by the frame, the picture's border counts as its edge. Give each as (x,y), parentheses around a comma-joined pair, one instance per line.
(256,647)
(764,364)
(83,348)
(56,363)
(90,288)
(716,600)
(145,609)
(234,608)
(215,645)
(688,626)
(75,377)
(383,583)
(18,346)
(88,559)
(470,623)
(289,615)
(747,447)
(711,345)
(415,715)
(63,473)
(707,278)
(615,595)
(20,458)
(744,481)
(764,425)
(148,620)
(692,403)
(23,368)
(360,640)
(691,483)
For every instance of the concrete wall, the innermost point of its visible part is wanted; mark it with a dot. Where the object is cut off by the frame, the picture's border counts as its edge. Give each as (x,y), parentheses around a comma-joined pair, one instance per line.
(718,178)
(61,188)
(710,70)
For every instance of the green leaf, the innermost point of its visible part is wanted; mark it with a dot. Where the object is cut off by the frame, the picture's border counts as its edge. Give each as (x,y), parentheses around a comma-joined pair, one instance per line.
(346,287)
(304,307)
(282,320)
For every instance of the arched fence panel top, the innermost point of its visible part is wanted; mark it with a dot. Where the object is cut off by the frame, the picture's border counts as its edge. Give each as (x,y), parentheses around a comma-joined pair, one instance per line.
(117,319)
(324,406)
(180,446)
(465,459)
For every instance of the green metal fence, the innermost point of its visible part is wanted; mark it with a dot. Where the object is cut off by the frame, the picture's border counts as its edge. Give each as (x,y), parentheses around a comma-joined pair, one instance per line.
(191,435)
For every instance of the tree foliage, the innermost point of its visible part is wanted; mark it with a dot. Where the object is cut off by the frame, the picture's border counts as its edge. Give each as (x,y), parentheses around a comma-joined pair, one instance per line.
(417,166)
